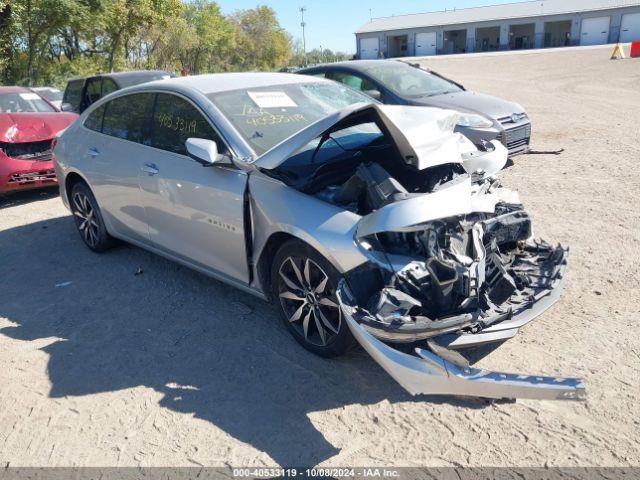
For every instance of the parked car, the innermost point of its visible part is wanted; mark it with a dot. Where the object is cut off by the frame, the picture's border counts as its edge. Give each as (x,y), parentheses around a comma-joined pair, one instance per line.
(50,94)
(28,124)
(358,219)
(398,83)
(80,93)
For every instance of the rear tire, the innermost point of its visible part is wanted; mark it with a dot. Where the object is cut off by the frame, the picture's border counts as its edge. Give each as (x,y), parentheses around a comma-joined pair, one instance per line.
(88,219)
(303,285)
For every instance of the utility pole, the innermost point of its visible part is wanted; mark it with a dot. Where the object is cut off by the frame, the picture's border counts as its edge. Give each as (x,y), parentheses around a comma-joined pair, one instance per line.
(304,40)
(321,55)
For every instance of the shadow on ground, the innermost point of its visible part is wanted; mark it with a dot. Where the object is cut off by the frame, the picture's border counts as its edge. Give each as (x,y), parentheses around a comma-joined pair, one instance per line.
(15,199)
(210,349)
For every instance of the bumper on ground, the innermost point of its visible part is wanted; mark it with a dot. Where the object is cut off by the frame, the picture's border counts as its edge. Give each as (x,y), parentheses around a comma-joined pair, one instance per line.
(429,373)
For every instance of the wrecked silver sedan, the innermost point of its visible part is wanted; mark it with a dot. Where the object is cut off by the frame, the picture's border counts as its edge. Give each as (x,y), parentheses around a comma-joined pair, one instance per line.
(360,221)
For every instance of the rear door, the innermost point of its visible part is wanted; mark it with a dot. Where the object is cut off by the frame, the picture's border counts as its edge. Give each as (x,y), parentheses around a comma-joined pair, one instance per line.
(115,159)
(195,213)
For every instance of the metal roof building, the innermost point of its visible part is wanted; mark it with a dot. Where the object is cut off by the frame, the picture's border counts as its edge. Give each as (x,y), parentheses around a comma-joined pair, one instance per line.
(511,26)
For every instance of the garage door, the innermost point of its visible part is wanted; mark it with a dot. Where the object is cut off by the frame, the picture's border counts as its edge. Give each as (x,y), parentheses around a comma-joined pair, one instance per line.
(595,31)
(368,48)
(630,29)
(425,43)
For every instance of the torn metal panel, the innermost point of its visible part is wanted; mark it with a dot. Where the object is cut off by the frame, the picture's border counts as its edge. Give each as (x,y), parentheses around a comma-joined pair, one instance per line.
(430,374)
(447,202)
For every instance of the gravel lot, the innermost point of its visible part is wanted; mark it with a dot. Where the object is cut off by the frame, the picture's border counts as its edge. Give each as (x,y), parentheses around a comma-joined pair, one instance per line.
(170,367)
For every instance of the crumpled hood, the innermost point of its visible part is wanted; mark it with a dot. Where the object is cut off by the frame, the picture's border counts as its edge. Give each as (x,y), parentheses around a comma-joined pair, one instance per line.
(454,199)
(425,136)
(467,101)
(33,126)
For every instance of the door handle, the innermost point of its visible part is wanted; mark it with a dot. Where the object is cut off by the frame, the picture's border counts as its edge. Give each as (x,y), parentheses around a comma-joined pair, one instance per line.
(93,152)
(150,168)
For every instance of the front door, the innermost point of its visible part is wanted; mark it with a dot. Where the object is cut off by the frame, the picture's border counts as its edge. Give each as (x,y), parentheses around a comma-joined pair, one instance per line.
(193,212)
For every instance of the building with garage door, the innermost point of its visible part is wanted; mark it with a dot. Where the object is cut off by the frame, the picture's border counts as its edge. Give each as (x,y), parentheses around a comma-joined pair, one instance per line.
(511,26)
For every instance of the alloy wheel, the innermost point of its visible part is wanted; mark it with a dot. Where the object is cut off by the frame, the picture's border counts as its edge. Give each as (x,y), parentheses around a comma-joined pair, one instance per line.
(308,300)
(86,219)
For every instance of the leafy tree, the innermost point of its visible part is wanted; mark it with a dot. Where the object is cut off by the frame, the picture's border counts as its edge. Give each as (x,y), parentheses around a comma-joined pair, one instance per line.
(48,41)
(262,43)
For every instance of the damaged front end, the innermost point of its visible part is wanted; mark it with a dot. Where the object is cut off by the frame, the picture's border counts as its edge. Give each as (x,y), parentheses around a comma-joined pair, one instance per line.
(452,260)
(471,277)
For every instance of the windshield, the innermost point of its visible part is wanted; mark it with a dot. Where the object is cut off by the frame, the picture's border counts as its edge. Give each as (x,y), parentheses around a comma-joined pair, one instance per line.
(323,153)
(408,81)
(51,94)
(19,102)
(266,116)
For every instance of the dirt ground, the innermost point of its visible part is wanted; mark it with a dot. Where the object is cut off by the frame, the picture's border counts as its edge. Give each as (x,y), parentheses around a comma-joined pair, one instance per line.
(102,367)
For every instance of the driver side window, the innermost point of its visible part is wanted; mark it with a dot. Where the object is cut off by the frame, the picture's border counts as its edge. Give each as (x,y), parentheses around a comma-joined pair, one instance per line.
(353,81)
(175,120)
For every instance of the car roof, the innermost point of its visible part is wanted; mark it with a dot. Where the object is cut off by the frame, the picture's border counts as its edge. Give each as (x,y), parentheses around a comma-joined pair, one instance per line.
(223,82)
(358,65)
(13,89)
(133,74)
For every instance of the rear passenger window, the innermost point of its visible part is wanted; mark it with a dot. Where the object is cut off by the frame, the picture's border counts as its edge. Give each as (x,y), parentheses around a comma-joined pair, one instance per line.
(175,120)
(73,93)
(129,117)
(92,92)
(108,86)
(94,120)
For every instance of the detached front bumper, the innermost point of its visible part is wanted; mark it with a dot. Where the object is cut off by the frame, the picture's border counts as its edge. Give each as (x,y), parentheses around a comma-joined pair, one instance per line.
(429,373)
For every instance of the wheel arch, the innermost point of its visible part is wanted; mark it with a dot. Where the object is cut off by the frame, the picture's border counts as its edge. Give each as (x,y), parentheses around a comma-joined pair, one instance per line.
(271,246)
(263,265)
(71,179)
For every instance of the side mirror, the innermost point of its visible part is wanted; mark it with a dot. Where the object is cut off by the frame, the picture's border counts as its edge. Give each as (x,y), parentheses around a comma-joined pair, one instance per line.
(373,94)
(203,151)
(66,107)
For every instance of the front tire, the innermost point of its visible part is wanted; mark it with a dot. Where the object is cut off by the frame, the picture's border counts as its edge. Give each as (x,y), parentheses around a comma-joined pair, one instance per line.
(303,285)
(88,219)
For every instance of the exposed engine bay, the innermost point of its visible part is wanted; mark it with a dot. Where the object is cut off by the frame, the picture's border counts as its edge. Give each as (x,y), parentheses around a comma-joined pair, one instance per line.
(453,262)
(455,273)
(459,273)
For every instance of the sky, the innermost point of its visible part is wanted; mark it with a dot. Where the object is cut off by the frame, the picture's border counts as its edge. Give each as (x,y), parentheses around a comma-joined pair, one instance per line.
(332,23)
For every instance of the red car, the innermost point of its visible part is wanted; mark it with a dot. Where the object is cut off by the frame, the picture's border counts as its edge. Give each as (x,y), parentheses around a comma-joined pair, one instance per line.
(28,124)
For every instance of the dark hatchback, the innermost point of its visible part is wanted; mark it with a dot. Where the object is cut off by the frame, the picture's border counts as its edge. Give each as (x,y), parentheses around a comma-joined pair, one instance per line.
(80,93)
(399,83)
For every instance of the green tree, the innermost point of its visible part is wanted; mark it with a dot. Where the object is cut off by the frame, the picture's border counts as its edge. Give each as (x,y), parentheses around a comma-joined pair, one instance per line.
(123,20)
(49,41)
(262,43)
